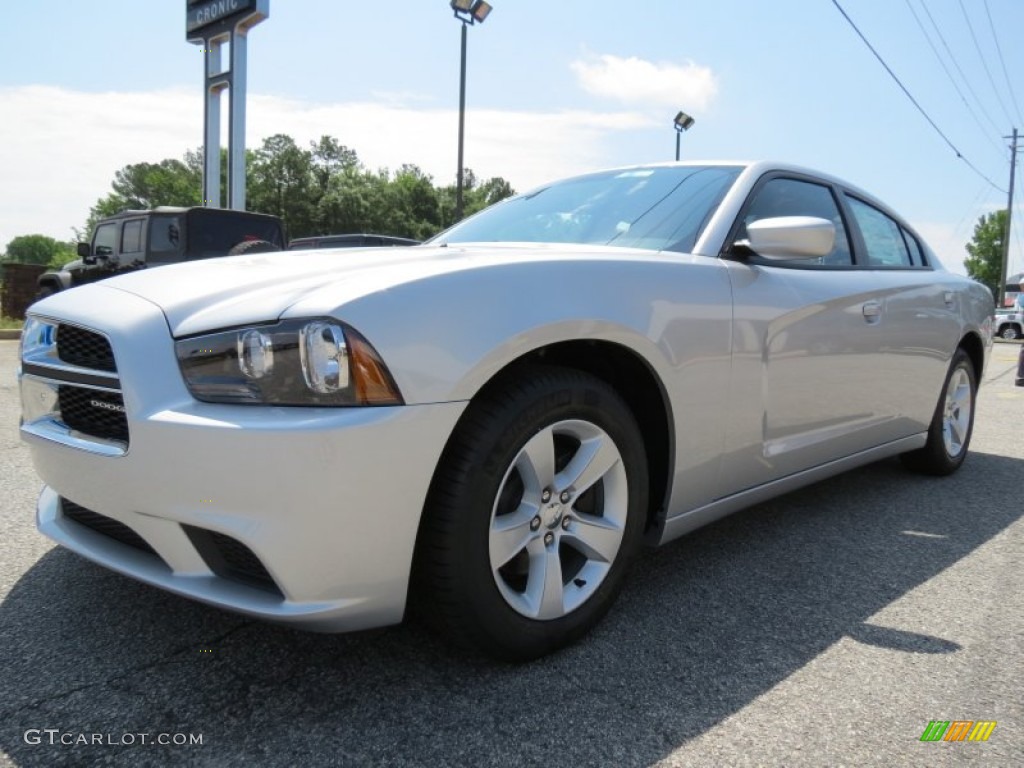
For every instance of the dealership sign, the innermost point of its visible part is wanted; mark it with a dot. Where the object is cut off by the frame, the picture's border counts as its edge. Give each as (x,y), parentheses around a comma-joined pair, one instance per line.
(213,24)
(204,16)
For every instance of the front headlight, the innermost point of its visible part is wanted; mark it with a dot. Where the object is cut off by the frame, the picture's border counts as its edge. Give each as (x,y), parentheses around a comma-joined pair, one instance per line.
(293,362)
(38,340)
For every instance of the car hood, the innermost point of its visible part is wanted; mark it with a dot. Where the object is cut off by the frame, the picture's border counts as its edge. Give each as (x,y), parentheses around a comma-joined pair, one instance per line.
(238,290)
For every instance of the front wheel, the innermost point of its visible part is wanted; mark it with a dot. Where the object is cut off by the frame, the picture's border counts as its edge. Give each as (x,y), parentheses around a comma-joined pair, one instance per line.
(537,508)
(1009,333)
(950,431)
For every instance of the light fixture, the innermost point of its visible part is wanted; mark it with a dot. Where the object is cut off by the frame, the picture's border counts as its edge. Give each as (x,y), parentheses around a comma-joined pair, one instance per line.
(471,11)
(480,10)
(682,123)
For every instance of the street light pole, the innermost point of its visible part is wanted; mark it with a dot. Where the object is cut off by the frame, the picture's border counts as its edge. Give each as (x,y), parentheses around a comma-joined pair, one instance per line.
(682,122)
(462,124)
(468,12)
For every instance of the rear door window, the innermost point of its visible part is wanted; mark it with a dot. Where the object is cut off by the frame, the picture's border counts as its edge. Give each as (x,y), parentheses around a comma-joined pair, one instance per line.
(131,236)
(883,237)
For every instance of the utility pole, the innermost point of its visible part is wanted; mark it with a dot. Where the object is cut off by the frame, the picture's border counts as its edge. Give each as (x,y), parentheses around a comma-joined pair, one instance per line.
(1009,216)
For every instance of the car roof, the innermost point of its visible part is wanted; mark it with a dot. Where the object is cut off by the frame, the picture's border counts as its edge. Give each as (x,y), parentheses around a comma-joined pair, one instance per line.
(168,209)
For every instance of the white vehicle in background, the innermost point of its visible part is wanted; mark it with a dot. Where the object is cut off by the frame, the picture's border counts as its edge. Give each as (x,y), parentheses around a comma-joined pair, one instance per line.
(488,426)
(1009,324)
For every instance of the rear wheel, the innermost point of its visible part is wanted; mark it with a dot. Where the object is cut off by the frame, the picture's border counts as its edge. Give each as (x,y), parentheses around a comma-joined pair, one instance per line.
(535,513)
(950,432)
(1010,332)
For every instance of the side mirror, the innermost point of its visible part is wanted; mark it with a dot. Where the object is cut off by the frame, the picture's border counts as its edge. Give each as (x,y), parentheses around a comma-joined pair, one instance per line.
(85,253)
(790,237)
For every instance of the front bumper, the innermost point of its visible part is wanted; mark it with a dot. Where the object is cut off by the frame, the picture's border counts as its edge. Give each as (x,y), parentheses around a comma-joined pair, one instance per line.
(328,500)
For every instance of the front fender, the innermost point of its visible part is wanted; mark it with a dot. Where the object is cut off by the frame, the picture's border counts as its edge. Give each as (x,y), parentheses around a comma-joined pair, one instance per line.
(446,336)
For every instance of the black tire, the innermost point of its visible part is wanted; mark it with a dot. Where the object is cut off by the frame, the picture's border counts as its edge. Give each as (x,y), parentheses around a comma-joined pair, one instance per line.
(1010,332)
(473,502)
(44,291)
(946,450)
(253,246)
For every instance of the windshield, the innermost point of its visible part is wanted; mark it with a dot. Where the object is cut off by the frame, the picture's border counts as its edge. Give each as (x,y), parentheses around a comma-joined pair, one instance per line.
(659,208)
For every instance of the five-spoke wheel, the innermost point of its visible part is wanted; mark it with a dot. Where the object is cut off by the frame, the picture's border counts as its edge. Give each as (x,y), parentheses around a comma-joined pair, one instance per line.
(950,431)
(537,508)
(558,519)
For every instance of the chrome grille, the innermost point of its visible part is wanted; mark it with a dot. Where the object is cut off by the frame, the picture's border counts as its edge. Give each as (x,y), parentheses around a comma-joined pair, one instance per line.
(70,389)
(93,411)
(86,349)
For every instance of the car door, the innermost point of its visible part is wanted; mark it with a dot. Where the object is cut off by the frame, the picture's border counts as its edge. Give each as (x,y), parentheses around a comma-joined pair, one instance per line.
(918,318)
(804,334)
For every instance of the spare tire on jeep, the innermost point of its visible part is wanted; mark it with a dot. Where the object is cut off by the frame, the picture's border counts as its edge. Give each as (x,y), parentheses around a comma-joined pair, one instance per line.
(252,246)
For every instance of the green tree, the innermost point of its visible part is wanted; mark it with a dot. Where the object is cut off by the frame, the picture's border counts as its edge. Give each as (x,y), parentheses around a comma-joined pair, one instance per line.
(476,196)
(280,181)
(985,262)
(39,249)
(148,185)
(319,190)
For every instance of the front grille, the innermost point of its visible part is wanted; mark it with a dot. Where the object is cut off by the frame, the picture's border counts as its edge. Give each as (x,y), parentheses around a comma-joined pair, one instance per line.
(104,525)
(93,412)
(83,348)
(229,558)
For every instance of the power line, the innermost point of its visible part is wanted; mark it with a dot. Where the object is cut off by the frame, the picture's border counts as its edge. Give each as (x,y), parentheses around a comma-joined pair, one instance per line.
(956,64)
(969,213)
(912,99)
(1002,63)
(952,80)
(984,63)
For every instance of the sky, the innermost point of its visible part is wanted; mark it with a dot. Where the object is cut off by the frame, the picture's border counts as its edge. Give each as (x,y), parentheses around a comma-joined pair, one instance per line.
(553,89)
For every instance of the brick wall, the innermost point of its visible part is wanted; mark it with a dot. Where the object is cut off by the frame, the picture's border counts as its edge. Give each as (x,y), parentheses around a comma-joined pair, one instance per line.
(19,288)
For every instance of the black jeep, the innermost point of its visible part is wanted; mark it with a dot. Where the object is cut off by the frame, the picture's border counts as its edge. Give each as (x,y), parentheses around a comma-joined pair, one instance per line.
(135,239)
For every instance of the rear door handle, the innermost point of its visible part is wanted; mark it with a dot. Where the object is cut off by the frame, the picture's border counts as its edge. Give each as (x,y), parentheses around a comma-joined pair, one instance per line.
(950,298)
(872,311)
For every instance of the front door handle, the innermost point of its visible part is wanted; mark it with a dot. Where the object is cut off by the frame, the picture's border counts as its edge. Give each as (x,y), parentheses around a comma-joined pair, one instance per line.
(872,311)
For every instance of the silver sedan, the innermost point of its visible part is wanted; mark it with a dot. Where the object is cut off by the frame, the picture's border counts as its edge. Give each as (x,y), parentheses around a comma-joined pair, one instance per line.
(488,427)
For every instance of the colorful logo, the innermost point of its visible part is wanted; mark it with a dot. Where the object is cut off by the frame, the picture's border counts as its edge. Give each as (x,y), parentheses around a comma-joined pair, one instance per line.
(958,730)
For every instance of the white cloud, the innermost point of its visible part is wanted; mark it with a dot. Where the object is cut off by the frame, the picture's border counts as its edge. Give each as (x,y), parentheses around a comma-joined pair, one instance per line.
(636,81)
(59,148)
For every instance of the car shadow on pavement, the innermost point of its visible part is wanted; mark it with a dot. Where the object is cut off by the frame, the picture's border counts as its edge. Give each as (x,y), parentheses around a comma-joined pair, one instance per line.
(705,625)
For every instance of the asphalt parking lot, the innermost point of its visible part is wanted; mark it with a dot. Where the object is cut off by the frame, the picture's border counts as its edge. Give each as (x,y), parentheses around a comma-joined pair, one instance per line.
(827,627)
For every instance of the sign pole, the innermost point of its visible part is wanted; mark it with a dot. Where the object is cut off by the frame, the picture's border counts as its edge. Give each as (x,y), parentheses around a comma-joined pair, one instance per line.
(236,122)
(211,23)
(214,82)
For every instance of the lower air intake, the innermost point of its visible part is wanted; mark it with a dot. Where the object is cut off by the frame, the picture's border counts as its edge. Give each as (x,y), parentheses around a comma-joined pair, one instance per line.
(104,525)
(230,559)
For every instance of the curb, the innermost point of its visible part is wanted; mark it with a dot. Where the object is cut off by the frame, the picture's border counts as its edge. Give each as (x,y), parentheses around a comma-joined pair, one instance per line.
(10,334)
